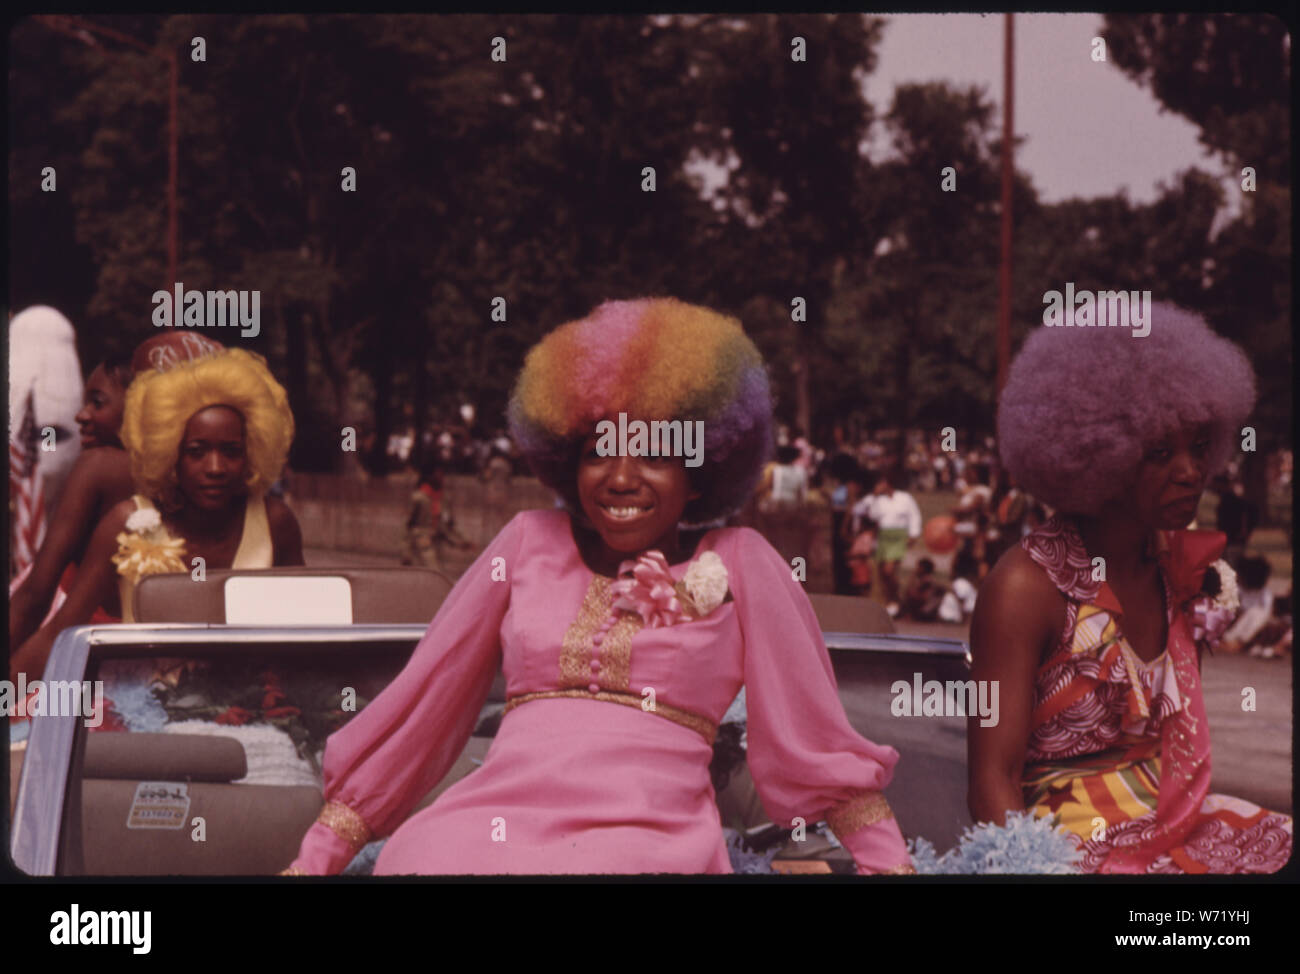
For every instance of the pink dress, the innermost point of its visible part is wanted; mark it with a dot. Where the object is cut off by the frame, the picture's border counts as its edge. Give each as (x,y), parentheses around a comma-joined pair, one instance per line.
(601,762)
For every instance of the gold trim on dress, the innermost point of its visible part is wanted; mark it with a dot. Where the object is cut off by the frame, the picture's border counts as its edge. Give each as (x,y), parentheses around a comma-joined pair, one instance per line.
(346,824)
(867,808)
(616,652)
(705,727)
(613,657)
(293,871)
(575,654)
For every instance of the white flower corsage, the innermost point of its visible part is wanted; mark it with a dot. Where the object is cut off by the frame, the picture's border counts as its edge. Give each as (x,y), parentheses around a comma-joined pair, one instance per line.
(1228,596)
(705,583)
(1216,608)
(144,521)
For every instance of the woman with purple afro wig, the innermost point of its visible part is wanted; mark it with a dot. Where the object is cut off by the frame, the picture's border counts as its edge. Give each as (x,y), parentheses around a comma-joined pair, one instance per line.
(1083,405)
(622,641)
(1094,626)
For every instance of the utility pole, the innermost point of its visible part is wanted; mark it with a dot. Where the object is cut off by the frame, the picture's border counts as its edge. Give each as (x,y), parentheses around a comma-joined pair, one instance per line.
(1008,116)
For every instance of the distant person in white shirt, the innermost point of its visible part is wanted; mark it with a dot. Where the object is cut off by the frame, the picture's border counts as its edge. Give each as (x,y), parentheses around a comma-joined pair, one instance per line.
(807,456)
(899,519)
(786,483)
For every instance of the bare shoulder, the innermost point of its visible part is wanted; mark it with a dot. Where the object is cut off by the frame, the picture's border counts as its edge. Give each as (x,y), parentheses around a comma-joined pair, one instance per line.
(1018,596)
(283,524)
(1018,575)
(103,473)
(111,474)
(113,522)
(103,461)
(286,535)
(278,514)
(119,512)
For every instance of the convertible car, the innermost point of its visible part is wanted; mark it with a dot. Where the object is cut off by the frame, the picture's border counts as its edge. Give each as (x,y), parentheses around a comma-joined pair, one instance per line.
(206,757)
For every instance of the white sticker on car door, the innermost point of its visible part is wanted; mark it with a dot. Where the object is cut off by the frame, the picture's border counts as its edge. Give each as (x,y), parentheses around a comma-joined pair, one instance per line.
(159,805)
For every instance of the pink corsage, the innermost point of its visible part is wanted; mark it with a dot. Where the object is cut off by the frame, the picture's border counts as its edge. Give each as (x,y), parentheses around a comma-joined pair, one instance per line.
(646,586)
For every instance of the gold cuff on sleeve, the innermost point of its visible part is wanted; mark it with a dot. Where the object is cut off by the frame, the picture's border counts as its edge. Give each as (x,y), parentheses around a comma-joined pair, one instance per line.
(346,824)
(866,808)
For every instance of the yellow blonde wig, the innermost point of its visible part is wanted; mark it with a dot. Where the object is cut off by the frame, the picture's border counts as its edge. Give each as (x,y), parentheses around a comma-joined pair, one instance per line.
(160,403)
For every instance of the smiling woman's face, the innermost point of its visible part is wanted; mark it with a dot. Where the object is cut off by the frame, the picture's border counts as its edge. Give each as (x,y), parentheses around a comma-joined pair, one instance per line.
(212,462)
(100,418)
(634,503)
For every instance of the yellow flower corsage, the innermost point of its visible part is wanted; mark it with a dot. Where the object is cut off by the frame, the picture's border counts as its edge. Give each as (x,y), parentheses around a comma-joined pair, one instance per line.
(145,548)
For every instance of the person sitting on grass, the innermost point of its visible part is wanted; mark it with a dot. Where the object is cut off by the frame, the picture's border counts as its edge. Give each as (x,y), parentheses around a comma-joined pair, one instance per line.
(923,595)
(959,600)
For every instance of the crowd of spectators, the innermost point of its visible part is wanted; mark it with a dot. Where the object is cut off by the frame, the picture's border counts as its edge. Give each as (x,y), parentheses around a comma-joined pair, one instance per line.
(457,448)
(868,487)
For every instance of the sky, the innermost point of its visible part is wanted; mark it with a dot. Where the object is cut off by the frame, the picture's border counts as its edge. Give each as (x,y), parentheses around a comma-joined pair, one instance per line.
(1089,131)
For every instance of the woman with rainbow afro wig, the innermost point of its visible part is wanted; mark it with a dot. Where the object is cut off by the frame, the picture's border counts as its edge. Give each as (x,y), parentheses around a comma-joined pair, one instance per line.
(1094,626)
(622,643)
(206,436)
(660,359)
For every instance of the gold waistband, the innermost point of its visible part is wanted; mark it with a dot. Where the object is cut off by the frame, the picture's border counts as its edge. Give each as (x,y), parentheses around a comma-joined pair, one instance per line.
(706,728)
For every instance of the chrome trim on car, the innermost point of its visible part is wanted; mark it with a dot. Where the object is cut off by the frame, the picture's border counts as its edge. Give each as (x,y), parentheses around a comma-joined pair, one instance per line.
(899,643)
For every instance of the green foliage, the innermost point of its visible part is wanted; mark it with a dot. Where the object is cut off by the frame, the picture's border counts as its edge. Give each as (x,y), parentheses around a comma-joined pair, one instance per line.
(1230,75)
(522,179)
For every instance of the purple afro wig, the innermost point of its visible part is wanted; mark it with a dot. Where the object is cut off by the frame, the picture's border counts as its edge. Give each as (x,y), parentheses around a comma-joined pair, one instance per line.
(1082,404)
(654,359)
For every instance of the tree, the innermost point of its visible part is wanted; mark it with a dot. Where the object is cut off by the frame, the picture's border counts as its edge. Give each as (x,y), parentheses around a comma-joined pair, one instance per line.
(1230,75)
(798,196)
(922,316)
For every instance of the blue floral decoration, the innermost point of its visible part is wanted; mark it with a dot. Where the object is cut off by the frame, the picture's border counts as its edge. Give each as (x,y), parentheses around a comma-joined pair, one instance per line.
(1025,845)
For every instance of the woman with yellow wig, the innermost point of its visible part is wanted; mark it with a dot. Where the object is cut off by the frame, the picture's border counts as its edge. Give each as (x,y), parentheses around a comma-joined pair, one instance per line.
(622,639)
(100,478)
(206,438)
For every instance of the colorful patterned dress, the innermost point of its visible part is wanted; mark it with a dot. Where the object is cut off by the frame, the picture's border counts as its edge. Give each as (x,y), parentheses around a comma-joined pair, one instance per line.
(1119,748)
(601,762)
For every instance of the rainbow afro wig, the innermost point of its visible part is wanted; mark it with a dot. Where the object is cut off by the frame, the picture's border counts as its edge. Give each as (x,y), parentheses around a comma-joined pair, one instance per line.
(1082,405)
(653,359)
